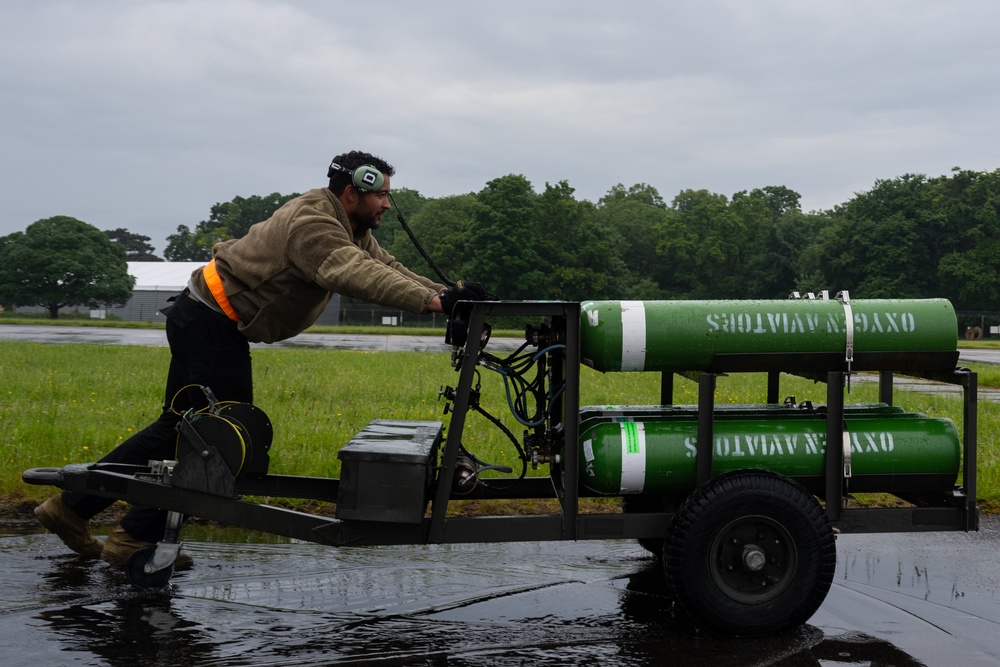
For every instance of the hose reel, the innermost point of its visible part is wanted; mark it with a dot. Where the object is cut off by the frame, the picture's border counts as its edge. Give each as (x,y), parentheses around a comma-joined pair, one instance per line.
(219,444)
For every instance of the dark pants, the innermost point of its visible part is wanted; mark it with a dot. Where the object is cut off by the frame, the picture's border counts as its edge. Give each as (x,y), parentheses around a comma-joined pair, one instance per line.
(206,349)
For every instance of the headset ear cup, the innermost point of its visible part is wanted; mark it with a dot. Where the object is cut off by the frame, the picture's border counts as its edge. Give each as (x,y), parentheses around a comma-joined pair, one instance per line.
(368,179)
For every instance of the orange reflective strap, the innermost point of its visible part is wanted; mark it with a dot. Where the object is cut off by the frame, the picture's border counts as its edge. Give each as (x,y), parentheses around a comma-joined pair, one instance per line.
(214,283)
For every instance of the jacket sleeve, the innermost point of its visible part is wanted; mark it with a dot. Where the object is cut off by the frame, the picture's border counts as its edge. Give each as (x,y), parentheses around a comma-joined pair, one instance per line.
(376,251)
(329,256)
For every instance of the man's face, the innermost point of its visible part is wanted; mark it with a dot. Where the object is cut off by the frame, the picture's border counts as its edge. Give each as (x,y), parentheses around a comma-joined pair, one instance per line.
(371,206)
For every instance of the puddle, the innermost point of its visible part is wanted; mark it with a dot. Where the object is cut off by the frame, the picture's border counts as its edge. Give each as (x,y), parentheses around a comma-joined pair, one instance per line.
(253,600)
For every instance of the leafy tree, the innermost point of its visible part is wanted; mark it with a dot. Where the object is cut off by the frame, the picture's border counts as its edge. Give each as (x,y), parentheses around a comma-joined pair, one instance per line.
(583,256)
(775,234)
(184,246)
(60,262)
(389,233)
(641,193)
(635,218)
(908,237)
(969,266)
(137,247)
(777,198)
(704,246)
(885,243)
(503,239)
(794,237)
(229,220)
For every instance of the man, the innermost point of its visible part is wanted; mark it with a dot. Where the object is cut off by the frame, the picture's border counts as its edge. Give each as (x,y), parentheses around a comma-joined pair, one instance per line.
(270,285)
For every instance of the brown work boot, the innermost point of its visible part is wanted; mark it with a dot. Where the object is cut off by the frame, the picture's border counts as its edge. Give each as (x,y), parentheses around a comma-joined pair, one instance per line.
(71,529)
(120,546)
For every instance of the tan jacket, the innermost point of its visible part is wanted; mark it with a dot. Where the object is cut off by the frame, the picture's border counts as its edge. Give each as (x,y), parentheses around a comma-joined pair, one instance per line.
(281,275)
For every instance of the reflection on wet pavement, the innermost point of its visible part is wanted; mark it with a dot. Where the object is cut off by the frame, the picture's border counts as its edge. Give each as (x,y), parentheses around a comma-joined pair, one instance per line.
(897,600)
(158,337)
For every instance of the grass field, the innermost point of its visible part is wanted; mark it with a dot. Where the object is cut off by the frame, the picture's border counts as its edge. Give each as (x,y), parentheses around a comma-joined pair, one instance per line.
(63,404)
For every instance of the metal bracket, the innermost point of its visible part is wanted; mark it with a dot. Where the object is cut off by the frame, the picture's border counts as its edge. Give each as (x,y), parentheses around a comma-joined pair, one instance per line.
(203,469)
(845,298)
(847,454)
(167,549)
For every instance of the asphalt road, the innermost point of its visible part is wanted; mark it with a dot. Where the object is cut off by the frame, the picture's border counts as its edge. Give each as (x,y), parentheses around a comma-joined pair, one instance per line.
(401,341)
(112,336)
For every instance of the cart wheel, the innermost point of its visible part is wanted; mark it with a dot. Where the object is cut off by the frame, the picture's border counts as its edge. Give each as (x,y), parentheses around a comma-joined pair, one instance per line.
(750,552)
(135,570)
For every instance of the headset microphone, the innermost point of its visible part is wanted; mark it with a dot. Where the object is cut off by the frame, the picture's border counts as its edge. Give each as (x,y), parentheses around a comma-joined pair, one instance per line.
(416,244)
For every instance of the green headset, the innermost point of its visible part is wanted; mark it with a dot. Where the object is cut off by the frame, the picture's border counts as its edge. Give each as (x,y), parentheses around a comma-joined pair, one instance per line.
(365,178)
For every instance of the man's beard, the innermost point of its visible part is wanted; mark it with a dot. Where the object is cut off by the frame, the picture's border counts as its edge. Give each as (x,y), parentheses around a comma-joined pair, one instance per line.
(370,222)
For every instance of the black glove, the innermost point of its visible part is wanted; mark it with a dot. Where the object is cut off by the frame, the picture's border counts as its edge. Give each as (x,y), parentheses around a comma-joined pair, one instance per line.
(464,291)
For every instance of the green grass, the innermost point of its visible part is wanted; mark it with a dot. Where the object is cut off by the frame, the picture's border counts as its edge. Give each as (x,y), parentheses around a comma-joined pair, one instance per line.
(985,344)
(988,374)
(62,404)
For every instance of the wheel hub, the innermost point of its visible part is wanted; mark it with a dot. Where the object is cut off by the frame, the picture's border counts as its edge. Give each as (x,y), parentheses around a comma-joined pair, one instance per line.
(752,559)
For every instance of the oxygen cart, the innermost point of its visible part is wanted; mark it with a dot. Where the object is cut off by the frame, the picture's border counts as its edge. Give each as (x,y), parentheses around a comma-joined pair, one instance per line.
(741,502)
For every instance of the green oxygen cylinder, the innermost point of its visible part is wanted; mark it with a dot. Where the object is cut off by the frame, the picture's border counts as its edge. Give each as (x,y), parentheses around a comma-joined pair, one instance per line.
(687,335)
(890,451)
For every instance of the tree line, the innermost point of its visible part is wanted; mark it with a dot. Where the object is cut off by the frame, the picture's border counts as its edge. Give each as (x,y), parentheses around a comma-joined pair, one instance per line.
(908,237)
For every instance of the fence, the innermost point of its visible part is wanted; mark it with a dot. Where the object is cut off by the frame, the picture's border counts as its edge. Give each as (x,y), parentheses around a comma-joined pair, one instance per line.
(365,314)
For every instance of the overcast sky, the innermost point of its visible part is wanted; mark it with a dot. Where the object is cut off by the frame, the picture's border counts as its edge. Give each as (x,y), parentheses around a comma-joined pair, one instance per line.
(142,115)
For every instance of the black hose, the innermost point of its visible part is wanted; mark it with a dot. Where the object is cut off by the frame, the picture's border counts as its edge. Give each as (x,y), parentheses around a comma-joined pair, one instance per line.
(416,244)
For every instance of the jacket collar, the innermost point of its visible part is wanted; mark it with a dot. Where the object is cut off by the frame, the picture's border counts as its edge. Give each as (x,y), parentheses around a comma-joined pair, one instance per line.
(340,213)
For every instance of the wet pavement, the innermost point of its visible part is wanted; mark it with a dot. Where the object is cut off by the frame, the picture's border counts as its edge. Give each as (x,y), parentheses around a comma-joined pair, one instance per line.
(901,600)
(158,337)
(980,356)
(362,342)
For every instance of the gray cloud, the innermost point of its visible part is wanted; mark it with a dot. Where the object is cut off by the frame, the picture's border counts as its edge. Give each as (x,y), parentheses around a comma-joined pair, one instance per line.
(144,114)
